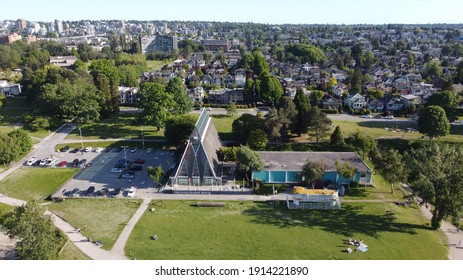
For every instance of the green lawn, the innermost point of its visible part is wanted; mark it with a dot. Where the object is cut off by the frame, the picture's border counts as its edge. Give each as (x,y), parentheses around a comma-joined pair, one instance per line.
(13,110)
(257,230)
(223,124)
(155,65)
(35,183)
(118,126)
(105,218)
(71,252)
(392,129)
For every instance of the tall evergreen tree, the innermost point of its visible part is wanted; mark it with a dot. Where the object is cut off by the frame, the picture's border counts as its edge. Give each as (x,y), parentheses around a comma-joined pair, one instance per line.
(301,122)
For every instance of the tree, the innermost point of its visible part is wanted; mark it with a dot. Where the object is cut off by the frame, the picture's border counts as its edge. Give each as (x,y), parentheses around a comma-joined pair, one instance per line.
(38,237)
(242,126)
(260,64)
(178,129)
(346,170)
(155,173)
(270,89)
(375,93)
(273,124)
(2,100)
(315,97)
(301,122)
(287,114)
(392,167)
(231,109)
(433,69)
(251,91)
(156,104)
(319,124)
(447,100)
(248,161)
(257,140)
(312,171)
(433,122)
(361,142)
(106,79)
(14,145)
(183,103)
(436,175)
(337,137)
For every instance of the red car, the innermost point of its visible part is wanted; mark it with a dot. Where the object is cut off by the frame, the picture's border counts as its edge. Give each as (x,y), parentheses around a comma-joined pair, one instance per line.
(63,163)
(139,160)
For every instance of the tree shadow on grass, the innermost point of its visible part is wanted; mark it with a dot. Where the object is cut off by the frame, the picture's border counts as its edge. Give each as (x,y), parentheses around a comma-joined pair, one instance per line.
(349,221)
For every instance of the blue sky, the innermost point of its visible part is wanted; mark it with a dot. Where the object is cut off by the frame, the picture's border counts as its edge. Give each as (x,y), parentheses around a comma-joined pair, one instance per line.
(270,11)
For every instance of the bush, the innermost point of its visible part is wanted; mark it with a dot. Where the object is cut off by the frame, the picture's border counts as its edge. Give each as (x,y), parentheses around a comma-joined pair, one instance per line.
(329,111)
(354,184)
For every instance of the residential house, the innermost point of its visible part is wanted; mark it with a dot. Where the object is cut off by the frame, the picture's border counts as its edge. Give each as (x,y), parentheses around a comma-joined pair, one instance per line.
(229,81)
(63,61)
(355,101)
(128,95)
(196,94)
(376,105)
(225,96)
(215,45)
(330,102)
(9,90)
(395,104)
(240,80)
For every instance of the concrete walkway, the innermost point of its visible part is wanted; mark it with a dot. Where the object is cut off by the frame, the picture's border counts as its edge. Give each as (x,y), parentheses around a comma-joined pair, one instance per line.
(118,248)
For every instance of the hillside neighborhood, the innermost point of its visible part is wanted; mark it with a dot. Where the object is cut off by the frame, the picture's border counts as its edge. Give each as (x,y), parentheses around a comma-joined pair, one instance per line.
(328,131)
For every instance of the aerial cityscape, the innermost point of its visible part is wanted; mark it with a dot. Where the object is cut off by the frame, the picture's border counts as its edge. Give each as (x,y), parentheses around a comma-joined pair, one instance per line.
(232,137)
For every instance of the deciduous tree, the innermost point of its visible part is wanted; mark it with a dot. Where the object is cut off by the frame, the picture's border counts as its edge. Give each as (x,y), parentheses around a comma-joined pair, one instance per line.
(248,161)
(433,122)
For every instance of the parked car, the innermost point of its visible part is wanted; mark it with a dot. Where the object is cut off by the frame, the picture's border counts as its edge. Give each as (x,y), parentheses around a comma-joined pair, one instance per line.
(31,161)
(131,192)
(149,150)
(116,170)
(139,160)
(107,150)
(88,149)
(119,165)
(75,192)
(75,162)
(136,168)
(64,149)
(133,150)
(90,190)
(387,117)
(117,191)
(104,191)
(75,150)
(117,150)
(98,149)
(63,163)
(128,176)
(43,162)
(82,163)
(367,116)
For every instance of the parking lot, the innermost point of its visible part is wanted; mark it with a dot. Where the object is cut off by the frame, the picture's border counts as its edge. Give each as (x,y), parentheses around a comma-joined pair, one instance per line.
(96,171)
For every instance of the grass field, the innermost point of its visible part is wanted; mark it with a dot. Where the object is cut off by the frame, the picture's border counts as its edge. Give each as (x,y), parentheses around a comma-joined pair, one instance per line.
(71,252)
(35,183)
(118,126)
(257,230)
(155,65)
(392,129)
(223,124)
(105,218)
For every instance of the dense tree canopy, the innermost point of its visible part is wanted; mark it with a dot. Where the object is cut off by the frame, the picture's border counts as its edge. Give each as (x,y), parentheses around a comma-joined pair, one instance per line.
(433,122)
(312,171)
(248,161)
(242,126)
(156,104)
(182,102)
(14,145)
(436,175)
(305,53)
(447,100)
(319,124)
(300,124)
(106,79)
(179,128)
(37,235)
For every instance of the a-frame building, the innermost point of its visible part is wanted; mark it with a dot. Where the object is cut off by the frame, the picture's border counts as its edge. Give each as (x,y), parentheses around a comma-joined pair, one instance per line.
(200,165)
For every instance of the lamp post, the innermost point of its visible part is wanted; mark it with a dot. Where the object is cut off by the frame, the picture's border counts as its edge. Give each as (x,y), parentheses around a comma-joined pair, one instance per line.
(142,139)
(125,155)
(81,141)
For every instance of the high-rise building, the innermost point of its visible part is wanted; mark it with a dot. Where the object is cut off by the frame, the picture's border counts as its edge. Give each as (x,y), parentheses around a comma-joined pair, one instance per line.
(59,26)
(21,24)
(164,43)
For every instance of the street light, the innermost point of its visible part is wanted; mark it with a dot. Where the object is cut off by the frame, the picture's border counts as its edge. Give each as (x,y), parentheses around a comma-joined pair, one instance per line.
(142,139)
(125,155)
(81,141)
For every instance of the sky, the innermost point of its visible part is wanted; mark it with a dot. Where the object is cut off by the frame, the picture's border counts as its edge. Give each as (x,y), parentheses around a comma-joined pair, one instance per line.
(258,11)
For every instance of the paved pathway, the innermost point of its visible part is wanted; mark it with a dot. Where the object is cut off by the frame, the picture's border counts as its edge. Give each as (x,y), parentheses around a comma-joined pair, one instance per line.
(118,248)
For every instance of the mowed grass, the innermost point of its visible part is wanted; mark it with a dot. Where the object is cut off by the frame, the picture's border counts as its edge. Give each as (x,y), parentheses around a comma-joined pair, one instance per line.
(155,65)
(105,218)
(13,110)
(117,126)
(71,252)
(392,129)
(29,183)
(223,124)
(258,230)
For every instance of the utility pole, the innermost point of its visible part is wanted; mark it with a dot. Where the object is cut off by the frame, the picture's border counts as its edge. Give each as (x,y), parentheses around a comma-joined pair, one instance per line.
(142,139)
(81,141)
(125,155)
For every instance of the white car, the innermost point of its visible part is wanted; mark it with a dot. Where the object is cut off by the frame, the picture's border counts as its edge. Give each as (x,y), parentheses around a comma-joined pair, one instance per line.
(367,116)
(388,117)
(149,150)
(116,170)
(31,161)
(131,192)
(133,150)
(88,149)
(50,161)
(43,162)
(128,176)
(99,149)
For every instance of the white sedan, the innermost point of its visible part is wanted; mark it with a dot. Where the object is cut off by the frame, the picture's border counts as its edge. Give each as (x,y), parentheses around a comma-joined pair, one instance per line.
(131,192)
(31,161)
(88,149)
(116,170)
